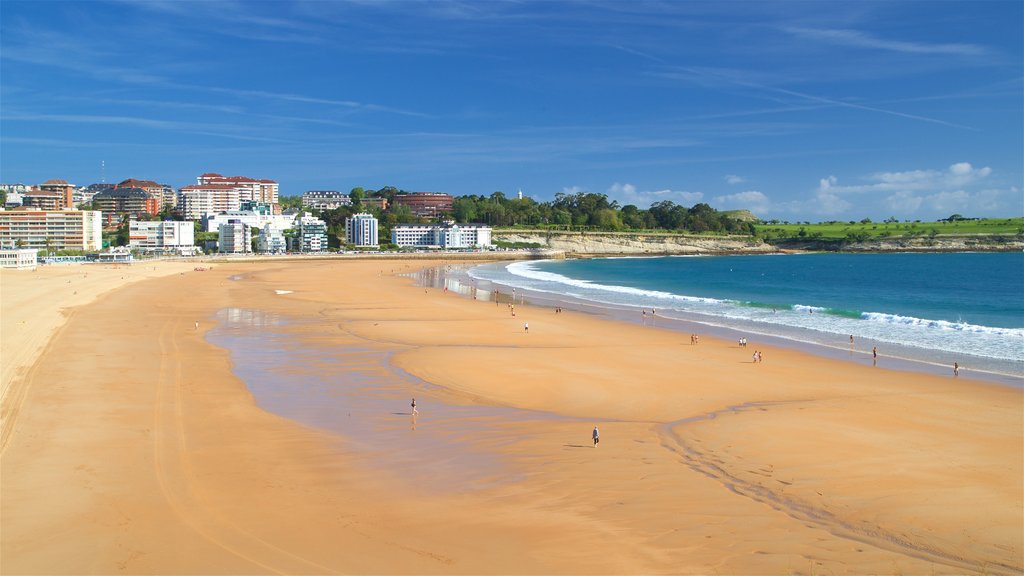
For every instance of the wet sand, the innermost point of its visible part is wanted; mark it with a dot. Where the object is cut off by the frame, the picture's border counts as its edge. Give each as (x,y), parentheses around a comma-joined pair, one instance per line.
(136,448)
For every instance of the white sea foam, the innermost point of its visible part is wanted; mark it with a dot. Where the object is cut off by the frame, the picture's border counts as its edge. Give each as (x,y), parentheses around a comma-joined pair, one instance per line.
(940,324)
(526,270)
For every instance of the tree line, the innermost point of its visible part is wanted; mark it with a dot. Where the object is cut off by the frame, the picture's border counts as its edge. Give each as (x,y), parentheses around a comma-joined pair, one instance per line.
(568,211)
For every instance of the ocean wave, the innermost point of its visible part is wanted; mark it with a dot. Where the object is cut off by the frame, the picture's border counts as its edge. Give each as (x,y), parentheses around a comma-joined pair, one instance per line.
(526,270)
(940,324)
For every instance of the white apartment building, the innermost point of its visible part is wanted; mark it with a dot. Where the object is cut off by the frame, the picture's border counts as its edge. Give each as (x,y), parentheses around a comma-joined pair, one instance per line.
(312,234)
(198,200)
(51,229)
(325,199)
(162,237)
(257,190)
(212,222)
(448,235)
(271,240)
(361,230)
(235,237)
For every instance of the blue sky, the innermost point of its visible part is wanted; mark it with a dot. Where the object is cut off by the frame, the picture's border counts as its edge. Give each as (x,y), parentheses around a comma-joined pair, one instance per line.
(795,110)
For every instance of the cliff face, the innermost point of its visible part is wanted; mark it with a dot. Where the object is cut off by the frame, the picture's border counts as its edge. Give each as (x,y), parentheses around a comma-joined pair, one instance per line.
(609,243)
(976,243)
(594,243)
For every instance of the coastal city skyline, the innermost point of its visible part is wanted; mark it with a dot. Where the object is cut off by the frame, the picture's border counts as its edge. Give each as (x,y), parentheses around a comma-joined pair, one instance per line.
(795,111)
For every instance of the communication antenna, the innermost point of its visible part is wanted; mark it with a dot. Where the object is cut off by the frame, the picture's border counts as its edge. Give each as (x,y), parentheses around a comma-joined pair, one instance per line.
(103,171)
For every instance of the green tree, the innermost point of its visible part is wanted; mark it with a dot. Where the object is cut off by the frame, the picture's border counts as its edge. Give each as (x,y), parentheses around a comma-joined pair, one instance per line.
(356,195)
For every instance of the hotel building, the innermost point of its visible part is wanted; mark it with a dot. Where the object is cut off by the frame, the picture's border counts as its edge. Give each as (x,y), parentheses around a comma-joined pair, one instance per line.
(162,237)
(447,236)
(51,229)
(361,230)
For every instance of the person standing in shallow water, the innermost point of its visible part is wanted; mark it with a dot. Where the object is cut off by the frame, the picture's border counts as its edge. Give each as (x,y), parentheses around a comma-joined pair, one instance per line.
(597,436)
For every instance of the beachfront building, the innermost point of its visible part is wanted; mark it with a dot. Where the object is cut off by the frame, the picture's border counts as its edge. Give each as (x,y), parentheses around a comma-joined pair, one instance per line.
(212,222)
(167,237)
(325,199)
(429,204)
(198,200)
(234,237)
(446,236)
(51,230)
(361,230)
(18,258)
(312,234)
(258,190)
(271,240)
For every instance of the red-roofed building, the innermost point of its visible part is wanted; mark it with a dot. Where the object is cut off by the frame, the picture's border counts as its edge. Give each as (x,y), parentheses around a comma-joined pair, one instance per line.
(63,189)
(248,188)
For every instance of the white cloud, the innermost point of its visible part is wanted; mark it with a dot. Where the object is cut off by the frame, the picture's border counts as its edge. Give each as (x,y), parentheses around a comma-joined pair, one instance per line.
(752,200)
(734,179)
(957,175)
(919,193)
(628,194)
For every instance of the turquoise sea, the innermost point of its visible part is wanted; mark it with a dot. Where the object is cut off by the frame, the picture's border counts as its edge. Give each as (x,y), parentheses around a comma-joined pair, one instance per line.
(926,310)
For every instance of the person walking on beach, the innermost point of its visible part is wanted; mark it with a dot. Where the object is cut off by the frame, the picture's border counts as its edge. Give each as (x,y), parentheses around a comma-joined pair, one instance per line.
(526,327)
(414,410)
(956,368)
(597,436)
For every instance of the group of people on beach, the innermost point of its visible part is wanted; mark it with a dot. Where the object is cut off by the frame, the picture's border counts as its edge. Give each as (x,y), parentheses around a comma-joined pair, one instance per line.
(758,358)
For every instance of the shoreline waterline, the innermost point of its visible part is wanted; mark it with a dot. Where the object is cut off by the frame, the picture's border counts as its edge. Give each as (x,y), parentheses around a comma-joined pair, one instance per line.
(463,278)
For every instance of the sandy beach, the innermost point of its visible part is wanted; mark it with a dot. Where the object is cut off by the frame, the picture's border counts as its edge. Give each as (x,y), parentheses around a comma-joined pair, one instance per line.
(131,446)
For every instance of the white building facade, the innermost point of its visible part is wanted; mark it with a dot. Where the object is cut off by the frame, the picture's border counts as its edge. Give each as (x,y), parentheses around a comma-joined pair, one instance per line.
(212,222)
(312,234)
(162,237)
(325,199)
(446,236)
(199,200)
(271,240)
(234,237)
(361,230)
(18,258)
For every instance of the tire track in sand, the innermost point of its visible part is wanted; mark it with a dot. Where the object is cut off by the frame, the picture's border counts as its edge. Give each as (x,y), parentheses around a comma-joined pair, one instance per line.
(806,512)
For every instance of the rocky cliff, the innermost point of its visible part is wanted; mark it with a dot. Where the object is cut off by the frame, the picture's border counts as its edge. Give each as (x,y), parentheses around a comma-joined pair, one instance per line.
(627,243)
(608,243)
